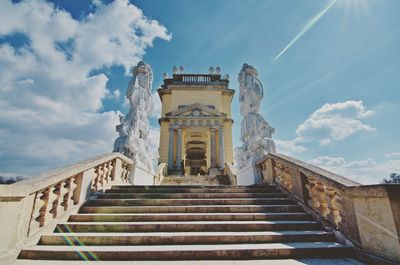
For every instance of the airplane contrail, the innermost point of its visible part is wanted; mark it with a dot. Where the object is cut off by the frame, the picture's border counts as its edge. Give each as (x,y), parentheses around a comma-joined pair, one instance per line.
(309,25)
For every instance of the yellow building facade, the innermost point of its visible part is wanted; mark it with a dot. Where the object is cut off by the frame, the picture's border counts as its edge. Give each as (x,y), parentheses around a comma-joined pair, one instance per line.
(196,123)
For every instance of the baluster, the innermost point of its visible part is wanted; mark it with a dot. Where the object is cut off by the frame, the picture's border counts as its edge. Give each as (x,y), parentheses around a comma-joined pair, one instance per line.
(112,174)
(311,185)
(288,178)
(68,194)
(278,177)
(105,175)
(73,195)
(127,172)
(333,210)
(62,196)
(123,172)
(98,178)
(323,203)
(70,186)
(111,168)
(95,179)
(53,201)
(39,210)
(339,217)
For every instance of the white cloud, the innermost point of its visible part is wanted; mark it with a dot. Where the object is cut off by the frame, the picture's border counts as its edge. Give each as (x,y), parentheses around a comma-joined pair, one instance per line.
(116,94)
(331,122)
(289,147)
(334,122)
(49,97)
(393,154)
(366,171)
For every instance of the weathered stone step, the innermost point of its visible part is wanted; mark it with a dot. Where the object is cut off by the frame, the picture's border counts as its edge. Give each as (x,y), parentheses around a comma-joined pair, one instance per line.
(297,261)
(162,238)
(123,227)
(190,217)
(183,189)
(192,209)
(176,202)
(135,195)
(189,252)
(147,187)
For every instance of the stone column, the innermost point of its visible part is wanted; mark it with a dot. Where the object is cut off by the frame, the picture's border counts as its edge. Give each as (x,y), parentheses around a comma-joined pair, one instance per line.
(221,147)
(171,148)
(179,149)
(213,149)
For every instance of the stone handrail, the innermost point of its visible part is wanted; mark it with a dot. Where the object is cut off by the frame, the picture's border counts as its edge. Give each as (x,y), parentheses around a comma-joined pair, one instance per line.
(352,210)
(230,172)
(162,171)
(33,206)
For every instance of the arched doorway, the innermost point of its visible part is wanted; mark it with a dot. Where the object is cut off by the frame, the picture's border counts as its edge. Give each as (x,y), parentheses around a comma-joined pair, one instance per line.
(195,157)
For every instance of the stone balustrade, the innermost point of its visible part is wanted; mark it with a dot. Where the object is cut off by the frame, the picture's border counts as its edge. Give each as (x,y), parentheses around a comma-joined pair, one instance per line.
(33,206)
(366,216)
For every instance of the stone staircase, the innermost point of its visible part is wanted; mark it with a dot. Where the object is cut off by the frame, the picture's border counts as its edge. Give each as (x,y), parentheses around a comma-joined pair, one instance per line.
(160,223)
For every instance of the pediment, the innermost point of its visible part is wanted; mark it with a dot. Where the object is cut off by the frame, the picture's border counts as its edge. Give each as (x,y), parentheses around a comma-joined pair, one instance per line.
(195,110)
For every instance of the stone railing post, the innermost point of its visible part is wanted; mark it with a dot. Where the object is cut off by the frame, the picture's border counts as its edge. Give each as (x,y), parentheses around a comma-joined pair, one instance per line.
(376,221)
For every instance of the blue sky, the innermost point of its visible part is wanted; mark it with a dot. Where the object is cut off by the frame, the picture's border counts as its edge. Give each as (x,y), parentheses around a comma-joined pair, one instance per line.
(333,96)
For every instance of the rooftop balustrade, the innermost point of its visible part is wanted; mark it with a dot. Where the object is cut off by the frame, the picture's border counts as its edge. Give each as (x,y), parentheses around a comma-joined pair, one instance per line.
(196,79)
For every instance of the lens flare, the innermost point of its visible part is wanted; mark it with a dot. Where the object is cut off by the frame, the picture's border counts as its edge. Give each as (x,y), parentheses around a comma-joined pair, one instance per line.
(74,241)
(307,27)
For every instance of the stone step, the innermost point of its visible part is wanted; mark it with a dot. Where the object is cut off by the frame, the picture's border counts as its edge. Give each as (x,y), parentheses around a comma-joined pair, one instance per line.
(189,252)
(188,195)
(163,238)
(297,261)
(185,189)
(123,227)
(193,209)
(190,217)
(177,202)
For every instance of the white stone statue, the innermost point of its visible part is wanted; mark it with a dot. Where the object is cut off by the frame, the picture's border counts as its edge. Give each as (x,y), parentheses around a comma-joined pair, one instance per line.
(251,90)
(133,140)
(256,133)
(119,144)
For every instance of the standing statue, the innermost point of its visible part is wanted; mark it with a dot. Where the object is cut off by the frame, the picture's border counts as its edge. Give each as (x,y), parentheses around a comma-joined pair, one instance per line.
(133,140)
(256,133)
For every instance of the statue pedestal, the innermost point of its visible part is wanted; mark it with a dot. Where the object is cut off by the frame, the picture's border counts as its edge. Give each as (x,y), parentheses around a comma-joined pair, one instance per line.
(140,175)
(248,175)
